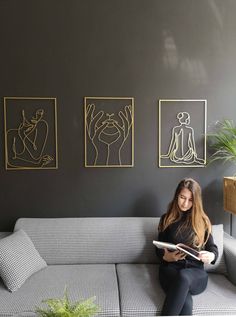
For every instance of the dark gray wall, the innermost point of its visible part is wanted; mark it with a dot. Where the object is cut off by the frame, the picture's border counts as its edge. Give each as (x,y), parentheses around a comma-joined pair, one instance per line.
(146,49)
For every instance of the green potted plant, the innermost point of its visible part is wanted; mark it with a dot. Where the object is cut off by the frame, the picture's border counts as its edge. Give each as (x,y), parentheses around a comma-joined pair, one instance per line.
(223,143)
(64,308)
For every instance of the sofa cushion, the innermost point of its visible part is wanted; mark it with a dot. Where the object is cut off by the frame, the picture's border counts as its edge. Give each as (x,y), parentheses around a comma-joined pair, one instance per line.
(92,240)
(140,290)
(101,240)
(217,299)
(141,293)
(82,281)
(19,260)
(219,266)
(230,256)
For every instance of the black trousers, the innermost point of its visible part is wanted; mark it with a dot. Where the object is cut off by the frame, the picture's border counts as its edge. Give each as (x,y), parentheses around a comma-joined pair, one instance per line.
(179,284)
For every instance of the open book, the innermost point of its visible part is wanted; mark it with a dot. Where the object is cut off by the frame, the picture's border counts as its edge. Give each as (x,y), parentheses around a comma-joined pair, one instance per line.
(180,246)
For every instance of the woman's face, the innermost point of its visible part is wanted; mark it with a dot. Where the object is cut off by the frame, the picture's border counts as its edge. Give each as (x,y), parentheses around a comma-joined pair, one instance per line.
(185,199)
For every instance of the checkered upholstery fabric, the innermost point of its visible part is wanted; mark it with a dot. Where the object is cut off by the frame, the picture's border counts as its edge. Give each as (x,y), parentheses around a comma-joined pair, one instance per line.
(141,293)
(219,266)
(92,240)
(230,257)
(19,260)
(217,299)
(82,282)
(86,246)
(102,240)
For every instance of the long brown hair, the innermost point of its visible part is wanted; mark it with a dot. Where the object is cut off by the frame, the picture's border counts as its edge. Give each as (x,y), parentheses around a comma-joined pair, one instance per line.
(198,220)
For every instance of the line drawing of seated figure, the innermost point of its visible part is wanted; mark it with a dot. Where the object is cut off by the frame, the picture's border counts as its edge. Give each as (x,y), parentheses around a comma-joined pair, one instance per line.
(107,135)
(182,148)
(26,144)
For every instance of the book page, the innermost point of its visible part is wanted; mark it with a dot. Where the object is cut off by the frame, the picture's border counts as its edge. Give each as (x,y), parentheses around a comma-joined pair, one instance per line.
(164,245)
(188,250)
(180,246)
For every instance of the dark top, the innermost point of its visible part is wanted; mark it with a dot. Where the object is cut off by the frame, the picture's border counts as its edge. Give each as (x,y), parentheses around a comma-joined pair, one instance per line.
(172,235)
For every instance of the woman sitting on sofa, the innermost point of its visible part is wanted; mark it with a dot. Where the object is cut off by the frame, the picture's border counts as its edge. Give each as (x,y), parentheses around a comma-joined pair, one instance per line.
(185,222)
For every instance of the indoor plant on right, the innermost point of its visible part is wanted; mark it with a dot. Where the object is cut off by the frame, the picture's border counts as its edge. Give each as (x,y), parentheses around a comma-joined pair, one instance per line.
(223,142)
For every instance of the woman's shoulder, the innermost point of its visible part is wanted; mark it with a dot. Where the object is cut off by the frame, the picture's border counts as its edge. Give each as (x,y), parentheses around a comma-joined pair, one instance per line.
(162,217)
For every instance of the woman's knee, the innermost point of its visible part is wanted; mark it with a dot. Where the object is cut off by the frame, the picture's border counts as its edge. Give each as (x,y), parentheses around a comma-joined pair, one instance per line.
(183,277)
(195,281)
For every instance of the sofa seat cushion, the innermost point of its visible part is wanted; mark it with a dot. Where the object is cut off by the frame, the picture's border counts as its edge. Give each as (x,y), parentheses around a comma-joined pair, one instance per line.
(140,290)
(142,295)
(82,281)
(219,298)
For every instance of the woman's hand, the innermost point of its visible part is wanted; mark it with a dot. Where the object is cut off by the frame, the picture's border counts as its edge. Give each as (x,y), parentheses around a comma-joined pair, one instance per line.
(206,256)
(173,256)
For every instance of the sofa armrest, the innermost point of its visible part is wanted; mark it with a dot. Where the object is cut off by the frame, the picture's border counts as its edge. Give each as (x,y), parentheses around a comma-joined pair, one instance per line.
(230,256)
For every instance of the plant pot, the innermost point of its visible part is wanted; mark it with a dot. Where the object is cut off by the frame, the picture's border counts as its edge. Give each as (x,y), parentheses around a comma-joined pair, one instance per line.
(230,194)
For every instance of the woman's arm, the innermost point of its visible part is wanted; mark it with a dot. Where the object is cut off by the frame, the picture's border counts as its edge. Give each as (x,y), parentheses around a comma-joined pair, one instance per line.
(210,253)
(164,254)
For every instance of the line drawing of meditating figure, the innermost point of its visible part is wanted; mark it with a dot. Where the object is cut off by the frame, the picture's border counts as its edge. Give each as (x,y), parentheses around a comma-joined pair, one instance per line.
(107,135)
(182,148)
(26,144)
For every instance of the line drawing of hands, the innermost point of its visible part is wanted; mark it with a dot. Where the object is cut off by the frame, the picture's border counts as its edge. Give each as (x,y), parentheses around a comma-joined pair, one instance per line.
(107,135)
(94,130)
(124,129)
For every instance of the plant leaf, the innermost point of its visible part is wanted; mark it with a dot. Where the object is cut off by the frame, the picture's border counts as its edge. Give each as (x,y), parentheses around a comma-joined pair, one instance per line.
(64,308)
(223,142)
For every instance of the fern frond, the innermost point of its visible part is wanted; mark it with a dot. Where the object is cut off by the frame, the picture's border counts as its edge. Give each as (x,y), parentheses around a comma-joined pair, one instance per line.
(224,142)
(63,307)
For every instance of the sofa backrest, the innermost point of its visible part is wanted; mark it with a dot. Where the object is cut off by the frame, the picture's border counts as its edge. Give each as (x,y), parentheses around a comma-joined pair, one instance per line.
(92,240)
(4,234)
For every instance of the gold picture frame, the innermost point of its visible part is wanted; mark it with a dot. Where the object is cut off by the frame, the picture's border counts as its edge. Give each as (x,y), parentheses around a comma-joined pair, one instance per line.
(30,129)
(185,129)
(109,131)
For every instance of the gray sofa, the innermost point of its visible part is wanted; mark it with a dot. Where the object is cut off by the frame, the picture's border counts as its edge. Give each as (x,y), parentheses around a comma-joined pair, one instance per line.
(113,259)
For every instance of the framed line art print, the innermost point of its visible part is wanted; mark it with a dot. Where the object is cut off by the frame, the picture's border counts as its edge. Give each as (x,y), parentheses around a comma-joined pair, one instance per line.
(182,133)
(109,131)
(30,128)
